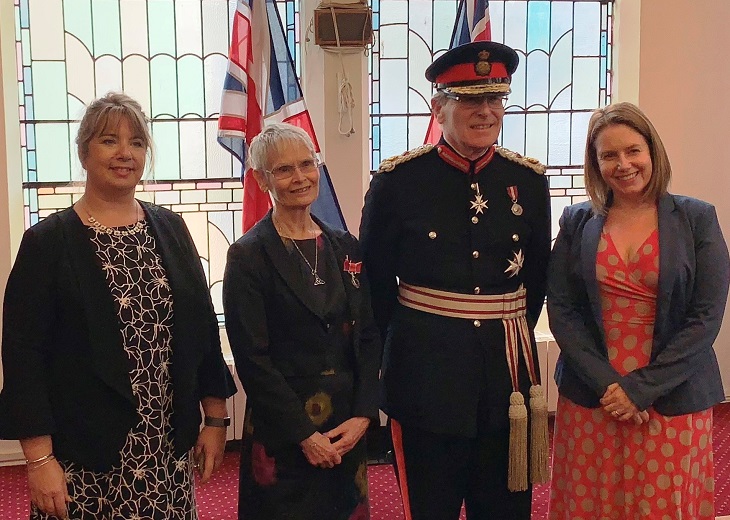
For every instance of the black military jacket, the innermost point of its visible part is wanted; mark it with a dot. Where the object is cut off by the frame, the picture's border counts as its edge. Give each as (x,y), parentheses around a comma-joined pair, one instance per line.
(434,219)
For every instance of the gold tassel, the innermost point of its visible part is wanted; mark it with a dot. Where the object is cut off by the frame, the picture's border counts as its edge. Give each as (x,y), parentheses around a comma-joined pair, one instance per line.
(517,471)
(539,459)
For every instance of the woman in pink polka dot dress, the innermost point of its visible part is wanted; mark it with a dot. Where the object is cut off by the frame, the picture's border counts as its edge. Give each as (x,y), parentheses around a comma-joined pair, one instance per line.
(637,290)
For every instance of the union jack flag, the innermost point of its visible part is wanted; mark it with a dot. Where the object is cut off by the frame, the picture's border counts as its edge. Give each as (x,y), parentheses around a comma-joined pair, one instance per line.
(472,25)
(261,86)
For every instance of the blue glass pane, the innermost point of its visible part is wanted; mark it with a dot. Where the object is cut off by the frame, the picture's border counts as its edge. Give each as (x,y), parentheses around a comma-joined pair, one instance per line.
(513,132)
(538,73)
(163,82)
(53,152)
(585,83)
(77,20)
(24,13)
(161,16)
(417,128)
(190,86)
(559,146)
(561,22)
(561,71)
(107,38)
(579,131)
(167,148)
(394,132)
(49,81)
(536,138)
(538,28)
(515,20)
(394,81)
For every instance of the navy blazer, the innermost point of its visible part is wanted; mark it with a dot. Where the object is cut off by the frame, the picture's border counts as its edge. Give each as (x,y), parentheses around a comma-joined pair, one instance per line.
(65,370)
(275,333)
(694,272)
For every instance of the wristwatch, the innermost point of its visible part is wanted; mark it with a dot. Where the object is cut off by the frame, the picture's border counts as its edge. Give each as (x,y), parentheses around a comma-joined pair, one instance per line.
(218,422)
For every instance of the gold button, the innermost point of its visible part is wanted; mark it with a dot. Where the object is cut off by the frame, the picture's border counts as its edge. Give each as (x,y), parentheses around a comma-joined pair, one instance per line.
(477,290)
(475,220)
(477,323)
(474,185)
(432,235)
(475,254)
(515,237)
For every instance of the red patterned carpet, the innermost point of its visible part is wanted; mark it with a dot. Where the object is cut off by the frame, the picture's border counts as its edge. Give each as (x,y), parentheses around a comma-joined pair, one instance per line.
(217,499)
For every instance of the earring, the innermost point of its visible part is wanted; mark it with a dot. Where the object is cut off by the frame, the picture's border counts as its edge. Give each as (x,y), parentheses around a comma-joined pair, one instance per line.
(264,188)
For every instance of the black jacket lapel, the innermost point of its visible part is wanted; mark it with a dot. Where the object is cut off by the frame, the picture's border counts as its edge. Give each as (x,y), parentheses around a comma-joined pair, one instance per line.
(279,256)
(108,357)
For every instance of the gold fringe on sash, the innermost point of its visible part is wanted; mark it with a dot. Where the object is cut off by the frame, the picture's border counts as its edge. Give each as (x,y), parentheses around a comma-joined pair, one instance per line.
(539,458)
(517,470)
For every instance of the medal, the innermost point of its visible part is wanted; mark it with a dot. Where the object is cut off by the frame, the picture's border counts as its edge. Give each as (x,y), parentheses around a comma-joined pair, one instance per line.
(513,194)
(353,269)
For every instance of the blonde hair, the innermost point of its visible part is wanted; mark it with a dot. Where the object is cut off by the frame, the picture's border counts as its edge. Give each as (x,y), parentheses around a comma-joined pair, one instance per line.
(267,143)
(630,115)
(106,112)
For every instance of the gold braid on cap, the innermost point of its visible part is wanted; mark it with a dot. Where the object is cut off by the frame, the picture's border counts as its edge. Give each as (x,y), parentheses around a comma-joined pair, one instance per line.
(528,162)
(389,164)
(481,88)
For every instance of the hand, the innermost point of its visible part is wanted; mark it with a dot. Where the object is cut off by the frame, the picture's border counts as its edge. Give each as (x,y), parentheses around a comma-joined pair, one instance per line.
(616,403)
(641,418)
(208,452)
(319,451)
(48,491)
(349,433)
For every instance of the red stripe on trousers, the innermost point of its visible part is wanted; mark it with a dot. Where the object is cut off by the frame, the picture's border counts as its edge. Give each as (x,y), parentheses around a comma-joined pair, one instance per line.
(397,434)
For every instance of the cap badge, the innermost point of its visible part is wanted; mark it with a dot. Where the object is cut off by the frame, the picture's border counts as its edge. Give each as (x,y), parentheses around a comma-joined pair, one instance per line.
(483,67)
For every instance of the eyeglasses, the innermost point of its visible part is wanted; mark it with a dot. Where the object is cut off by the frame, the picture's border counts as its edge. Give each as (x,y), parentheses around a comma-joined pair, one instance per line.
(494,101)
(287,170)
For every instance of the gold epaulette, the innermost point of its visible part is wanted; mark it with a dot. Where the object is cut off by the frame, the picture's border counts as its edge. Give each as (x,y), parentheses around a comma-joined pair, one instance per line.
(391,162)
(529,162)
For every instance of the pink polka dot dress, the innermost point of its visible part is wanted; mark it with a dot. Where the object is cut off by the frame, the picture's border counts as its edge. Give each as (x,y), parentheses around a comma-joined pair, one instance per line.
(606,469)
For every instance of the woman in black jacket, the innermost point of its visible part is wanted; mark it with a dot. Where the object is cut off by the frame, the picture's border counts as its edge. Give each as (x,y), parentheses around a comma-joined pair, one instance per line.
(110,344)
(306,348)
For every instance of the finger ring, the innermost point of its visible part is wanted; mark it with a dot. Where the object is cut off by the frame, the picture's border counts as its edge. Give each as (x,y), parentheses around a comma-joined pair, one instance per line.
(615,413)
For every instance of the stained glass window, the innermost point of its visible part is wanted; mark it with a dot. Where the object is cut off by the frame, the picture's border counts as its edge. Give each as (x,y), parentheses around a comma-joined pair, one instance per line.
(171,56)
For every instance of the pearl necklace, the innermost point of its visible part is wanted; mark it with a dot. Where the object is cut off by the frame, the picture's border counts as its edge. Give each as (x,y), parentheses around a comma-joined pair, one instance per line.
(101,228)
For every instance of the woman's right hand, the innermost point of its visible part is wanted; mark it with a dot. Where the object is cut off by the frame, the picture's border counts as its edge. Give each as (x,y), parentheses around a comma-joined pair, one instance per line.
(48,491)
(319,451)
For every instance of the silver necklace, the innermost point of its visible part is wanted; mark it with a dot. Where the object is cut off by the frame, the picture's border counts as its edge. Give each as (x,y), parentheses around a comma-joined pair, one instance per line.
(98,226)
(317,279)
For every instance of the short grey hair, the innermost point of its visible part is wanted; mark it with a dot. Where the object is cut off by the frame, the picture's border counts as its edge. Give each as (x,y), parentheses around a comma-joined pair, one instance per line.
(267,144)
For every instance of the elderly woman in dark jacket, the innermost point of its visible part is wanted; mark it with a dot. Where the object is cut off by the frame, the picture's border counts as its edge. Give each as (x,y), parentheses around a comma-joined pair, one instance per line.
(306,348)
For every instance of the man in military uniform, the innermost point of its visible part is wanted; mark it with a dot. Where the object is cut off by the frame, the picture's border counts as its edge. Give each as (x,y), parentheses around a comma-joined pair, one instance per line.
(456,240)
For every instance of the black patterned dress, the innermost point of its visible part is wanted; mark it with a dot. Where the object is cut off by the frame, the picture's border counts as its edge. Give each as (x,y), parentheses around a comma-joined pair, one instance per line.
(279,483)
(149,483)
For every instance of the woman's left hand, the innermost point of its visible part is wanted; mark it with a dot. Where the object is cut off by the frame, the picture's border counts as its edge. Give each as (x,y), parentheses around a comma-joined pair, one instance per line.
(346,435)
(617,403)
(208,453)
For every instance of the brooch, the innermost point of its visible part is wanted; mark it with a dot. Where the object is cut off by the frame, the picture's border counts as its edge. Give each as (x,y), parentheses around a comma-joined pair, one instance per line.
(353,269)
